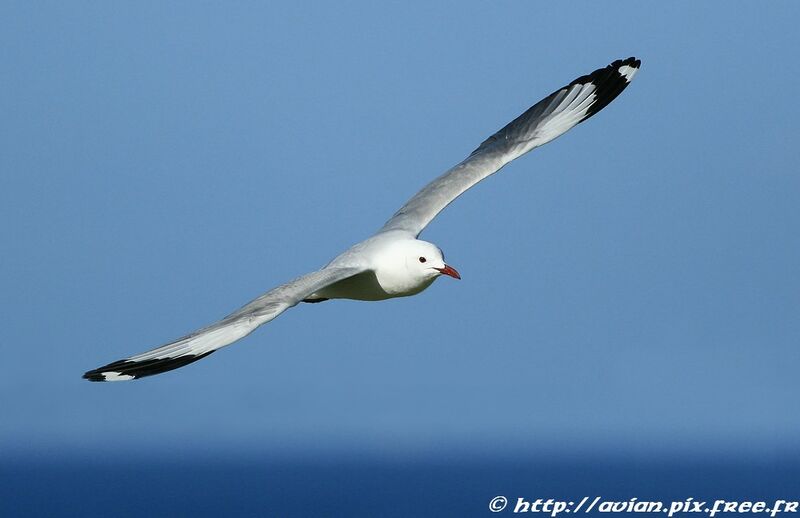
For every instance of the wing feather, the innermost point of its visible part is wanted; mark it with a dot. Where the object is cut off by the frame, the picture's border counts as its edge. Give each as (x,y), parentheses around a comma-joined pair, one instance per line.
(235,326)
(544,121)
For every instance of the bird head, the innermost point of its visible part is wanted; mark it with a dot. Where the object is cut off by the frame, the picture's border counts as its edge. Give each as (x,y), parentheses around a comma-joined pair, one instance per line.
(426,260)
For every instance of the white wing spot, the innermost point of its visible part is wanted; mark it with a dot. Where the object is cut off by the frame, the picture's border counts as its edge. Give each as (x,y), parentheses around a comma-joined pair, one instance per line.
(116,376)
(628,72)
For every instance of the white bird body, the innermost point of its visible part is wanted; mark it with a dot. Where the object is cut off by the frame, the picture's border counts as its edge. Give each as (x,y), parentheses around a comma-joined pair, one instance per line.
(393,262)
(392,268)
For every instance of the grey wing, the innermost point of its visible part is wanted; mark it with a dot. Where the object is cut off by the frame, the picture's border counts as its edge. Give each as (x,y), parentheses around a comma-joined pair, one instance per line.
(235,326)
(549,118)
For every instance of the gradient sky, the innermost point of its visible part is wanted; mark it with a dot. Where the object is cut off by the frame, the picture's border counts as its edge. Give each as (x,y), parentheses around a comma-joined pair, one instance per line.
(632,285)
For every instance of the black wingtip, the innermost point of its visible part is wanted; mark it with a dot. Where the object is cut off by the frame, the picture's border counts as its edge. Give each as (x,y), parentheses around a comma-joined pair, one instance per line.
(94,375)
(610,81)
(631,61)
(124,370)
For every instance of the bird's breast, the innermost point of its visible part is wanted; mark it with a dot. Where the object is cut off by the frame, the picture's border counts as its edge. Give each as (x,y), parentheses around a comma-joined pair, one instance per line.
(400,284)
(372,285)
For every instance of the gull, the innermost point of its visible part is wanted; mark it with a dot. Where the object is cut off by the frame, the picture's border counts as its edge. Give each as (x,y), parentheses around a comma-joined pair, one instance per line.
(393,262)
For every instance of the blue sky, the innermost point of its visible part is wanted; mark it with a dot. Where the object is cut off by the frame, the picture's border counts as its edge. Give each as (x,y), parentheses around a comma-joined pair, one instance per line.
(633,285)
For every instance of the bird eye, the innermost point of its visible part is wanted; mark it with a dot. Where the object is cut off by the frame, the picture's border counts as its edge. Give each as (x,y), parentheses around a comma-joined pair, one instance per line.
(422,259)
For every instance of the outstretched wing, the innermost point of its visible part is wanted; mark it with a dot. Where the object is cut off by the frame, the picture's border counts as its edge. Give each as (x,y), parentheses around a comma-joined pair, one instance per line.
(544,121)
(235,326)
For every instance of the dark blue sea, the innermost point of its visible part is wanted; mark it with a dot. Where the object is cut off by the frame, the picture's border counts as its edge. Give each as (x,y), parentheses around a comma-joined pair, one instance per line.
(238,486)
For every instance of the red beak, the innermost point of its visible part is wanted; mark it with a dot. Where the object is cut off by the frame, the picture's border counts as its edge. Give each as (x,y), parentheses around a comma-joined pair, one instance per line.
(449,270)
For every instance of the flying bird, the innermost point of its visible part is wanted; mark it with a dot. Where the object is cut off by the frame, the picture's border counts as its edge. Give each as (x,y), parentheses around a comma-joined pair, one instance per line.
(393,262)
